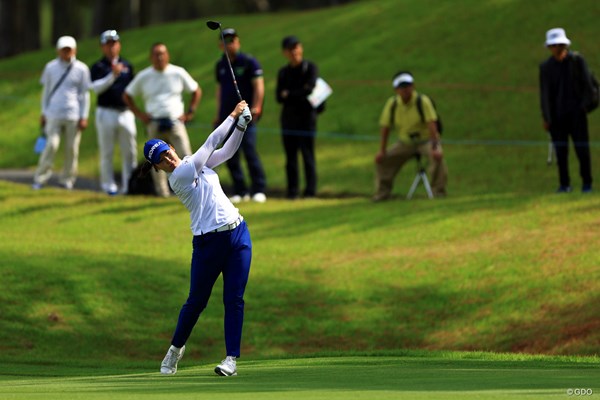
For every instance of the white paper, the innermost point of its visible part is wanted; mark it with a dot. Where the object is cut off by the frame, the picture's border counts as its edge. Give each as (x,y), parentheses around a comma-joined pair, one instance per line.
(320,93)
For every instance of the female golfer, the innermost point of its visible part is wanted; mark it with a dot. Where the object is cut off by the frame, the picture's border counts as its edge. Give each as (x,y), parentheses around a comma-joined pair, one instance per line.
(221,241)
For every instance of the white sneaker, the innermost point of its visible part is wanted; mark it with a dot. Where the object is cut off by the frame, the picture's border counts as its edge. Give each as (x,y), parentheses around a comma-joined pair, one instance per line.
(169,363)
(238,199)
(67,185)
(36,186)
(259,197)
(227,367)
(111,190)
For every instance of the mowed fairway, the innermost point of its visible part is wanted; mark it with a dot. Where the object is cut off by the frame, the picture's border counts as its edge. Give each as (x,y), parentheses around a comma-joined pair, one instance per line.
(439,376)
(456,298)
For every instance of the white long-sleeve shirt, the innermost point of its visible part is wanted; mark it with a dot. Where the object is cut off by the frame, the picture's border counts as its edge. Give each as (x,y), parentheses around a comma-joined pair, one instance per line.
(71,100)
(198,186)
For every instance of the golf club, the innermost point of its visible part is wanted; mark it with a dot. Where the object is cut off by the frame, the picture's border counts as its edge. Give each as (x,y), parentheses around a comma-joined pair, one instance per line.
(214,25)
(550,151)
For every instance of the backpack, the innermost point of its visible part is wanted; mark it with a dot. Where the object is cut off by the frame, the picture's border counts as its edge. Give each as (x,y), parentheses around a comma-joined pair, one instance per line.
(140,185)
(594,88)
(440,127)
(595,100)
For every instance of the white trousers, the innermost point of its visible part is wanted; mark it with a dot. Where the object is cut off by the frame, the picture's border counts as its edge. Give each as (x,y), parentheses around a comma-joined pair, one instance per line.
(111,126)
(54,128)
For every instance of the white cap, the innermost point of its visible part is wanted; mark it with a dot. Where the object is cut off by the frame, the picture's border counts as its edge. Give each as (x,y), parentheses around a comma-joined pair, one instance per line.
(109,36)
(557,36)
(66,41)
(403,77)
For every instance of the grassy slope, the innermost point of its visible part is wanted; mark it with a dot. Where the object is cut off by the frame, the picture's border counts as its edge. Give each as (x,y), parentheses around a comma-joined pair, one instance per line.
(87,274)
(490,268)
(477,58)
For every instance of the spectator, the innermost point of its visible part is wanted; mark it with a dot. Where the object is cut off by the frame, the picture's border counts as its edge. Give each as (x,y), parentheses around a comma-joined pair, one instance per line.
(564,94)
(114,121)
(65,110)
(249,77)
(161,86)
(295,82)
(417,136)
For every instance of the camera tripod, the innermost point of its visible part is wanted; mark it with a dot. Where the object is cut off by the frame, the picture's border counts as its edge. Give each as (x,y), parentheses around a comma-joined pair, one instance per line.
(421,176)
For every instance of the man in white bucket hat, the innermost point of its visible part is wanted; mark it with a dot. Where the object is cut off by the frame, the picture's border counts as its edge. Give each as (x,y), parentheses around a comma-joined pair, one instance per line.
(565,92)
(65,110)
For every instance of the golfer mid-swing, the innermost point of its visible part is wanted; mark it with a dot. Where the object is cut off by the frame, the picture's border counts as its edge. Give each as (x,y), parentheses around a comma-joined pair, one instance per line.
(221,241)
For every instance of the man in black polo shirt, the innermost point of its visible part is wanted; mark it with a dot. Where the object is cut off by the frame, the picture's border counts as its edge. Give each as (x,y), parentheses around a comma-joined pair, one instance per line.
(564,94)
(249,77)
(114,121)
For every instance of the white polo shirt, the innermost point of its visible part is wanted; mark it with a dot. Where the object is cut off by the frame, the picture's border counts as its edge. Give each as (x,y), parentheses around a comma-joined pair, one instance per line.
(162,90)
(71,100)
(201,192)
(203,196)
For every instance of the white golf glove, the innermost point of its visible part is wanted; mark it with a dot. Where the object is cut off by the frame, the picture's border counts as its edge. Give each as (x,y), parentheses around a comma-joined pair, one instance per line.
(244,119)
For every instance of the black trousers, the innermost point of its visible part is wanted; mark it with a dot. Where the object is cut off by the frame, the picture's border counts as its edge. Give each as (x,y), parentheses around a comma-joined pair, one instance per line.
(575,126)
(255,168)
(303,142)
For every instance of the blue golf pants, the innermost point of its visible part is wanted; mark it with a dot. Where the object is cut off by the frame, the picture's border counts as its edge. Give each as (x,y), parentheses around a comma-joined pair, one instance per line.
(228,253)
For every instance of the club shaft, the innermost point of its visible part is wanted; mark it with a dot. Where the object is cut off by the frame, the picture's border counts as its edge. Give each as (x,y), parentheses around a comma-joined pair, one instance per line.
(237,90)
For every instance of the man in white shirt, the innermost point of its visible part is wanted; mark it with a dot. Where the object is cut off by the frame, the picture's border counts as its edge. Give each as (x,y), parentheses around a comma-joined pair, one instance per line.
(114,121)
(65,110)
(161,87)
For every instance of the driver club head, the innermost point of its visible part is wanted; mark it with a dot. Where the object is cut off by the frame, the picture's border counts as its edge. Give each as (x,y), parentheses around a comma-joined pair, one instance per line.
(213,25)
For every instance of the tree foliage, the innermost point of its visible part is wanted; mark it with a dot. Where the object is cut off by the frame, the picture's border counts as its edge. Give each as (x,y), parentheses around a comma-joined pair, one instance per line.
(20,26)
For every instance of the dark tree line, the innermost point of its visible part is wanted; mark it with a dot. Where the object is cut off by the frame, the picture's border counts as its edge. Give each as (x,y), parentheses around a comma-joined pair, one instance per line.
(21,28)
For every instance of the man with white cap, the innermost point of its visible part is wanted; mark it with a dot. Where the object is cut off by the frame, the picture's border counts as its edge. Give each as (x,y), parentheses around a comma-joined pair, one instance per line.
(412,116)
(114,121)
(565,92)
(65,109)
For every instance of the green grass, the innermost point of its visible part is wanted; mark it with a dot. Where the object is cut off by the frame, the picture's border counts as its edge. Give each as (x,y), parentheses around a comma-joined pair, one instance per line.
(88,274)
(91,286)
(410,375)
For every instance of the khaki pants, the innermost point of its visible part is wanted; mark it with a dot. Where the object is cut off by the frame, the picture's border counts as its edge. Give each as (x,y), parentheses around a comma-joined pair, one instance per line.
(177,136)
(397,156)
(72,135)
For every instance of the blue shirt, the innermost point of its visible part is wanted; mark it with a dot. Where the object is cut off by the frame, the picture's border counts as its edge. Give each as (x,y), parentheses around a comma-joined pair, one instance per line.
(245,68)
(113,96)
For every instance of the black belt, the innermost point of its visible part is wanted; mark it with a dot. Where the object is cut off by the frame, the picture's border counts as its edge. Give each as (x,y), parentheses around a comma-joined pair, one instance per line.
(115,108)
